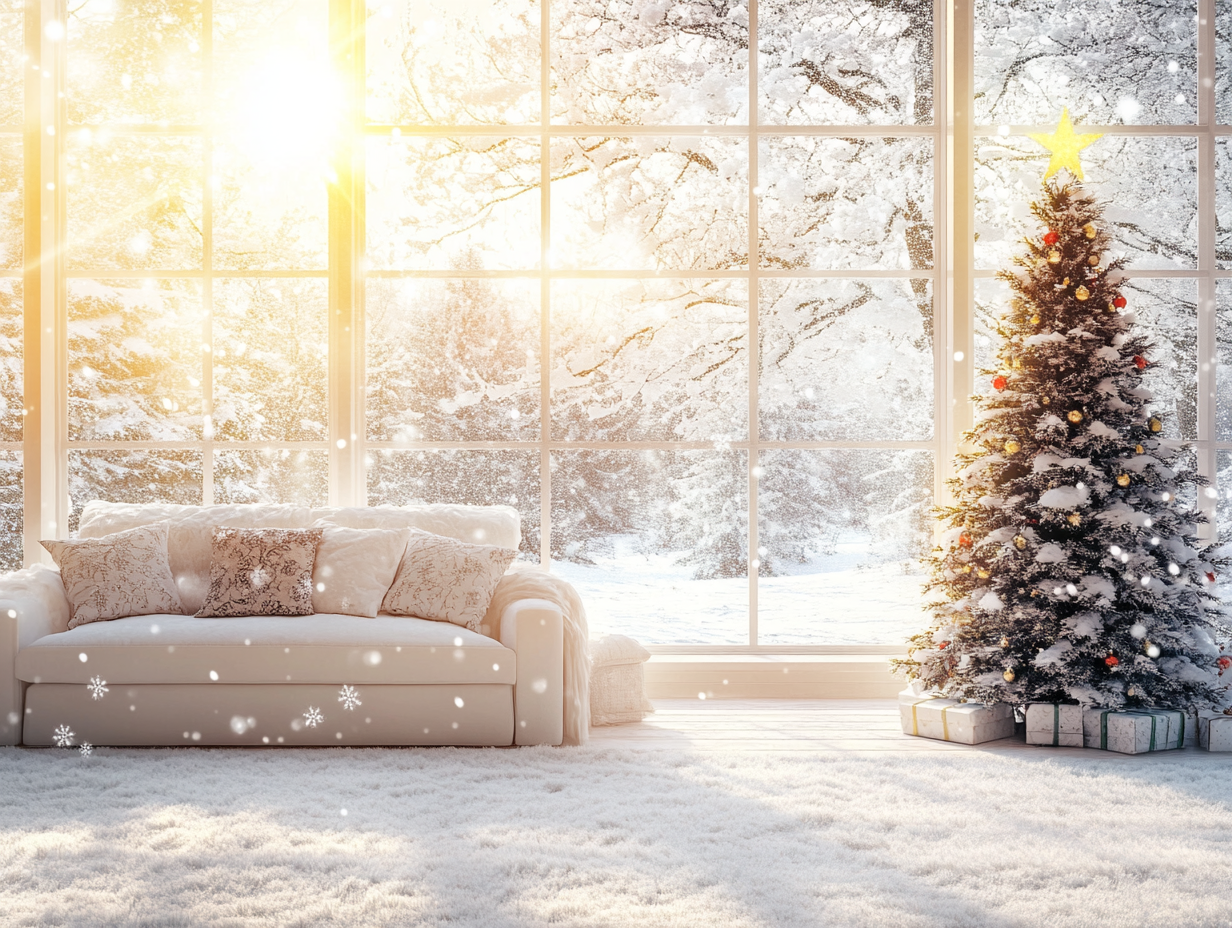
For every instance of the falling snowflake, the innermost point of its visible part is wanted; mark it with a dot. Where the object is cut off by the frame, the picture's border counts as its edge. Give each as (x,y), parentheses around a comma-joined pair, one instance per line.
(313,717)
(349,697)
(64,737)
(86,749)
(97,687)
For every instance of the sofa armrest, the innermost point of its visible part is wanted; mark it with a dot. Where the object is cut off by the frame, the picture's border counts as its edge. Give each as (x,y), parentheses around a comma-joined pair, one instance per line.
(32,605)
(535,629)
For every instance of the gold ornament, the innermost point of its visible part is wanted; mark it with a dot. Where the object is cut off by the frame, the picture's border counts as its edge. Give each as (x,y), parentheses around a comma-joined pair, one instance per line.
(1009,676)
(1019,542)
(1155,424)
(1074,519)
(1005,642)
(1081,294)
(1093,260)
(1130,691)
(1138,449)
(1012,447)
(1123,480)
(1112,310)
(1054,256)
(1017,364)
(982,573)
(1035,320)
(965,569)
(1065,282)
(1064,145)
(1074,416)
(1089,230)
(1046,401)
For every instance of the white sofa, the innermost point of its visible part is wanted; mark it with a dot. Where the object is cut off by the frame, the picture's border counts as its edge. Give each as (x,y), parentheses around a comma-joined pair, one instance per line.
(177,679)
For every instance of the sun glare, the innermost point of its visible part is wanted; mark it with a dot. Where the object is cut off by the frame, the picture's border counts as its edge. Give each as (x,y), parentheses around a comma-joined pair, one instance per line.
(288,117)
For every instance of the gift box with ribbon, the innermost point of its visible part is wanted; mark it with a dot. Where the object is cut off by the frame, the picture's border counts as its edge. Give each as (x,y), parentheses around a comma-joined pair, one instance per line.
(951,720)
(1054,724)
(1136,731)
(1214,731)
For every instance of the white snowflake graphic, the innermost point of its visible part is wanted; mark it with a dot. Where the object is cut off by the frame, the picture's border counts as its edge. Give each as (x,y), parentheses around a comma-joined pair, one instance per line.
(86,749)
(313,717)
(97,687)
(349,697)
(64,737)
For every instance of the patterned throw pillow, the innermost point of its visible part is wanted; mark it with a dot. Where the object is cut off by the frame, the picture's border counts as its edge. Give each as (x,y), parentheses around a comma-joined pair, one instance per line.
(261,571)
(447,580)
(117,575)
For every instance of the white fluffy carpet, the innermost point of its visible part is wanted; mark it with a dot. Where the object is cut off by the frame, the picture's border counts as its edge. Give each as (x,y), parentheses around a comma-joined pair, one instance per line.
(587,836)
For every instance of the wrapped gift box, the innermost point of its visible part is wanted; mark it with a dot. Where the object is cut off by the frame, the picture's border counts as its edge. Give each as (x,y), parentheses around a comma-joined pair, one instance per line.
(951,720)
(1214,731)
(1051,723)
(1135,731)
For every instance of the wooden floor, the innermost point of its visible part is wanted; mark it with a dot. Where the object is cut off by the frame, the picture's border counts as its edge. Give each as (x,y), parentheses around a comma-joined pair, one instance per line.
(809,725)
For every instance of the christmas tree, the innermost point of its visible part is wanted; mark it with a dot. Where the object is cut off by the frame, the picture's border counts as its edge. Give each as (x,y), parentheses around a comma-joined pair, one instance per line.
(1070,569)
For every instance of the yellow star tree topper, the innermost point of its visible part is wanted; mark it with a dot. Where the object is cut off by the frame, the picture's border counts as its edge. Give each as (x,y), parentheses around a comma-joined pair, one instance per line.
(1065,145)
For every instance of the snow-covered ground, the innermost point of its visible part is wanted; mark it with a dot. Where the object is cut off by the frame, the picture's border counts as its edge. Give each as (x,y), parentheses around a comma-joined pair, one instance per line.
(841,599)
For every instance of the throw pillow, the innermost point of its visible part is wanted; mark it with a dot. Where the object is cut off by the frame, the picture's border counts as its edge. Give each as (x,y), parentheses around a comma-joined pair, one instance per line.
(355,568)
(617,681)
(447,580)
(261,571)
(118,575)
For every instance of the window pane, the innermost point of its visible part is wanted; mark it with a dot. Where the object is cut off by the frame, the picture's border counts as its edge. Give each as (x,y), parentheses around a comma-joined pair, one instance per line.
(11,213)
(476,478)
(270,359)
(1223,203)
(650,360)
(650,203)
(12,400)
(841,534)
(134,360)
(854,63)
(445,204)
(286,475)
(1167,312)
(992,301)
(656,542)
(1223,64)
(12,511)
(846,360)
(134,62)
(846,203)
(1223,369)
(133,201)
(1109,62)
(452,360)
(12,62)
(433,63)
(132,477)
(630,62)
(1148,184)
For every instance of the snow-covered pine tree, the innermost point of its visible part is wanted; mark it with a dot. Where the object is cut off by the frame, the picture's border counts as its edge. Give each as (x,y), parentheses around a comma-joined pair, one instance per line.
(1070,570)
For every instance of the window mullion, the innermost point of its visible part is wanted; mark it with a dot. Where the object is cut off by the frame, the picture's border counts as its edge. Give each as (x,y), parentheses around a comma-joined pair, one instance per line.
(754,458)
(545,284)
(1207,322)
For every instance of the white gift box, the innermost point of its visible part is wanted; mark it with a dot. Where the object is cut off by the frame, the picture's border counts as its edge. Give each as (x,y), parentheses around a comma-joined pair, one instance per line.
(1214,731)
(951,720)
(1135,731)
(1051,723)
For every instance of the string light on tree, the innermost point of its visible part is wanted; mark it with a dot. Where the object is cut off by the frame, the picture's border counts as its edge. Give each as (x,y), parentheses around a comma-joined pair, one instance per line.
(1072,508)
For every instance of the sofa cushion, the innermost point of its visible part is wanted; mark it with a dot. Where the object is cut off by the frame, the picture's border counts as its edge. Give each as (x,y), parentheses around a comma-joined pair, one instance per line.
(321,648)
(355,567)
(261,571)
(117,575)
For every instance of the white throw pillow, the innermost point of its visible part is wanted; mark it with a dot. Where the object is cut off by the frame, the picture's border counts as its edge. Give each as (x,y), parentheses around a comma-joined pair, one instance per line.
(118,575)
(447,580)
(355,568)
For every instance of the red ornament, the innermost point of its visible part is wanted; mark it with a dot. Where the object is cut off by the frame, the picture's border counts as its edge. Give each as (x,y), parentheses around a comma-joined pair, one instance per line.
(999,382)
(946,644)
(1224,663)
(1111,660)
(1139,361)
(1050,237)
(1210,576)
(964,540)
(1120,302)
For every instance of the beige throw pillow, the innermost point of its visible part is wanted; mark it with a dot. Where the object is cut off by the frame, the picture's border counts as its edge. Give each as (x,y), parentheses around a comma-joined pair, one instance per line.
(355,568)
(447,580)
(261,571)
(617,681)
(118,575)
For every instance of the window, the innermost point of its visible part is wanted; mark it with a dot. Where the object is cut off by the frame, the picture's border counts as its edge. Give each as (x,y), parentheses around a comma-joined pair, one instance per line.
(678,281)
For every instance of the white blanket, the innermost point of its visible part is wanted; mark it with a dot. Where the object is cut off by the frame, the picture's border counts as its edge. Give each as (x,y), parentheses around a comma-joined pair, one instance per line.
(529,581)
